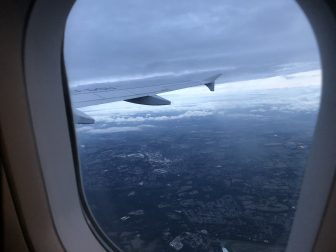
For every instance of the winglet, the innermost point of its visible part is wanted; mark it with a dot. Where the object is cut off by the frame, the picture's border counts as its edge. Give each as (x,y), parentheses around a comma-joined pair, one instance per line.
(211,86)
(82,118)
(210,82)
(154,100)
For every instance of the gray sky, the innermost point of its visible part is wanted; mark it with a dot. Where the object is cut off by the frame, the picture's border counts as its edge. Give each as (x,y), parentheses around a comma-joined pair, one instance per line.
(121,39)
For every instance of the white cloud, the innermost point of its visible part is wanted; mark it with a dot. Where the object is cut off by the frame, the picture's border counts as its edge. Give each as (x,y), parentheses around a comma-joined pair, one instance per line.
(94,130)
(128,118)
(295,92)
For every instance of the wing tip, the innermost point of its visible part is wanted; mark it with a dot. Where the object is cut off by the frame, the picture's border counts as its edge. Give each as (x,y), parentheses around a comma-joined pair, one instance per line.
(82,118)
(210,82)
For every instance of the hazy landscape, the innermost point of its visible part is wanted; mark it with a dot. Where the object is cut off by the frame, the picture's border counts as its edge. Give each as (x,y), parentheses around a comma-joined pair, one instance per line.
(212,172)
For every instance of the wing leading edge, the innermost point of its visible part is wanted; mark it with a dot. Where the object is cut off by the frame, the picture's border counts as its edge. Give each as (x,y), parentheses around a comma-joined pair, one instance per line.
(135,92)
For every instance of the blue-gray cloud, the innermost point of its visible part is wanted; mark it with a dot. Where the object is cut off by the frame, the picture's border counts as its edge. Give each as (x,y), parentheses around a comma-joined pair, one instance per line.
(109,38)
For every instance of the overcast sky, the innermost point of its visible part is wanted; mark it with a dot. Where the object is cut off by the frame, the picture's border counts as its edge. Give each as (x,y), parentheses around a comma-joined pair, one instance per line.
(109,39)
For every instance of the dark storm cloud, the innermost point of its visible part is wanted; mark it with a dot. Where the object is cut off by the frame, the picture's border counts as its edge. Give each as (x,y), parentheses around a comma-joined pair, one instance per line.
(108,38)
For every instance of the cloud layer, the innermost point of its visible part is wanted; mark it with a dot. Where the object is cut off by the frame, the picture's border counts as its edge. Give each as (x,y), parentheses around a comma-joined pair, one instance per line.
(118,40)
(294,93)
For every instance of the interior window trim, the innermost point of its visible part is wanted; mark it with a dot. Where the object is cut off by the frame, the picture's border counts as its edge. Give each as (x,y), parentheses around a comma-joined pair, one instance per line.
(37,100)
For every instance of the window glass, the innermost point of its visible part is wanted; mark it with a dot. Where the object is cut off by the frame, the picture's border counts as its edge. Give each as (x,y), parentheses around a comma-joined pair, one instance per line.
(212,171)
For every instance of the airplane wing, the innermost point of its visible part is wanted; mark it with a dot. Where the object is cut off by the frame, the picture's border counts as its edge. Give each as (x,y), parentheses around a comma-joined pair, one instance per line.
(130,91)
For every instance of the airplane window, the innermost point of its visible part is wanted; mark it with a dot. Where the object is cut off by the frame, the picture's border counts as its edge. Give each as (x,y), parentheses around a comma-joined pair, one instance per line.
(193,119)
